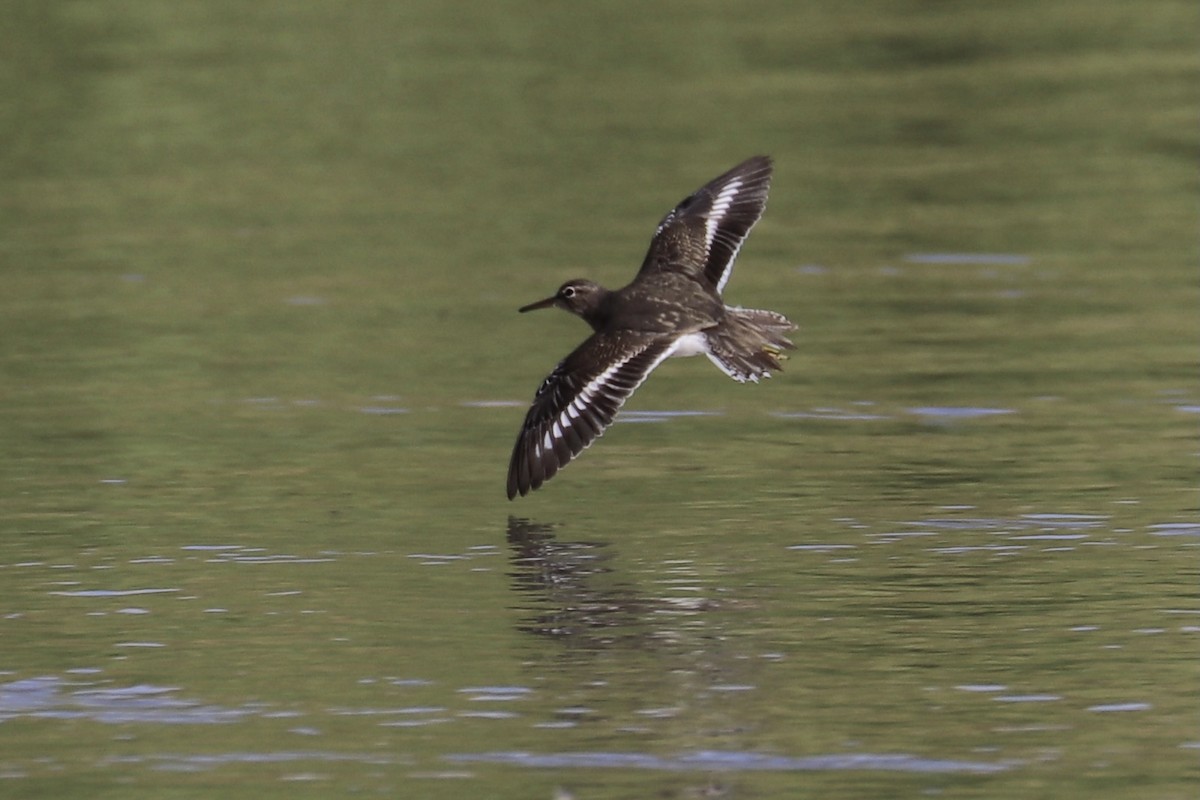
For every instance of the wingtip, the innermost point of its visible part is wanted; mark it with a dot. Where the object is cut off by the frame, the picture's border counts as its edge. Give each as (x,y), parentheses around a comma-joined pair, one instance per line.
(515,486)
(762,160)
(754,165)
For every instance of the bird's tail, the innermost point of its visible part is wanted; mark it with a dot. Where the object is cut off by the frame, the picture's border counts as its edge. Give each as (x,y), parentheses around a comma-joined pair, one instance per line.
(749,343)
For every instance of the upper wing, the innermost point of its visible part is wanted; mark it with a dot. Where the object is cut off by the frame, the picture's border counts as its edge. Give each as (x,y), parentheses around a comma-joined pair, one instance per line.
(702,235)
(578,401)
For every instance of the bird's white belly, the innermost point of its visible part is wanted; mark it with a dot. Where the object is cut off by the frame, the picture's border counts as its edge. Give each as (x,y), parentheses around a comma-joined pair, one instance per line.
(690,344)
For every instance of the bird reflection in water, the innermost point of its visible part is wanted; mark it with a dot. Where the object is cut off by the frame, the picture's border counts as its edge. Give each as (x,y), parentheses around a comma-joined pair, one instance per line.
(572,590)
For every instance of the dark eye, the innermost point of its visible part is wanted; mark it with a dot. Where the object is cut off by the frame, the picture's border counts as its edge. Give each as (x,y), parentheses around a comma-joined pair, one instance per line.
(568,292)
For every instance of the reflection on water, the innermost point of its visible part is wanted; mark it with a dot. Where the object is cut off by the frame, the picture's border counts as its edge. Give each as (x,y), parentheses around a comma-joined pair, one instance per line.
(1175,529)
(561,582)
(968,259)
(958,412)
(677,663)
(179,762)
(661,416)
(832,414)
(51,697)
(257,390)
(859,414)
(572,594)
(710,760)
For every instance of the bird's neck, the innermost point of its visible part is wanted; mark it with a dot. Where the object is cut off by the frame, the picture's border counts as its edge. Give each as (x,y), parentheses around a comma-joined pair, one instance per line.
(598,312)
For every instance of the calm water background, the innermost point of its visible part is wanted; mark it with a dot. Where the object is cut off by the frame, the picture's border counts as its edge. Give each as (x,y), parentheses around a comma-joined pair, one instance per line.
(261,372)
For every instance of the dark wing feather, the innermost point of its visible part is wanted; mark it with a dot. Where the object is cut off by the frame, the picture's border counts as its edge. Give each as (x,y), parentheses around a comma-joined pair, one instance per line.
(702,235)
(578,401)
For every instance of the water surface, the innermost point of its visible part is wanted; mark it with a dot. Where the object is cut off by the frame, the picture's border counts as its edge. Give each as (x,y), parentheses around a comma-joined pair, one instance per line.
(261,370)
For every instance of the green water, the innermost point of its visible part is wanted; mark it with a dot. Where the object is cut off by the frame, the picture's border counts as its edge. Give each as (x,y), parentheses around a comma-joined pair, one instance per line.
(260,371)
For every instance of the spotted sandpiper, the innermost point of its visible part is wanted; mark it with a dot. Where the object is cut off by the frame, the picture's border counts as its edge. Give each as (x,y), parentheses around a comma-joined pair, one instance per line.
(673,307)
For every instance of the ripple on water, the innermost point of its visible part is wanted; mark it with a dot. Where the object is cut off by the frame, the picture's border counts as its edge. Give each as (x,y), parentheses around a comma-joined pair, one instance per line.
(969,259)
(662,416)
(958,412)
(492,404)
(1117,707)
(188,763)
(373,712)
(242,554)
(1052,537)
(821,548)
(51,697)
(731,761)
(496,694)
(111,592)
(383,411)
(1044,522)
(836,414)
(444,559)
(1175,529)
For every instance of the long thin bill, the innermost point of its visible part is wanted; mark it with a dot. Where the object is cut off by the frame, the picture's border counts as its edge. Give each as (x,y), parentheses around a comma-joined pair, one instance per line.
(549,301)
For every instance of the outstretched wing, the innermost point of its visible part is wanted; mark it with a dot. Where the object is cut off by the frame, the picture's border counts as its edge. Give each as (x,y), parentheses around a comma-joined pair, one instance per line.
(702,235)
(578,401)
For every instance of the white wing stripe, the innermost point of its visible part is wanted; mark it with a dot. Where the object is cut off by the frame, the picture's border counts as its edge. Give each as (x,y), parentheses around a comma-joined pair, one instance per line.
(729,265)
(599,384)
(720,205)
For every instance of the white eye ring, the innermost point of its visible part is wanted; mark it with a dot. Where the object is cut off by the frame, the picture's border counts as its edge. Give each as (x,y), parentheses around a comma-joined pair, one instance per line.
(568,291)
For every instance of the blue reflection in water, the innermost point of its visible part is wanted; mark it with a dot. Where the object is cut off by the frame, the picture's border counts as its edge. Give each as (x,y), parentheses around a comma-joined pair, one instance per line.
(958,412)
(707,760)
(1011,259)
(50,697)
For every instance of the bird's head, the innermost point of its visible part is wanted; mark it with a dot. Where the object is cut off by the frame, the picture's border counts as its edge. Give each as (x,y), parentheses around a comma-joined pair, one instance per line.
(579,296)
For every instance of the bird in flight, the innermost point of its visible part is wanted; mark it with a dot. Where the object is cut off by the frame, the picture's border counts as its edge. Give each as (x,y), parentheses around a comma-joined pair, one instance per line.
(673,307)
